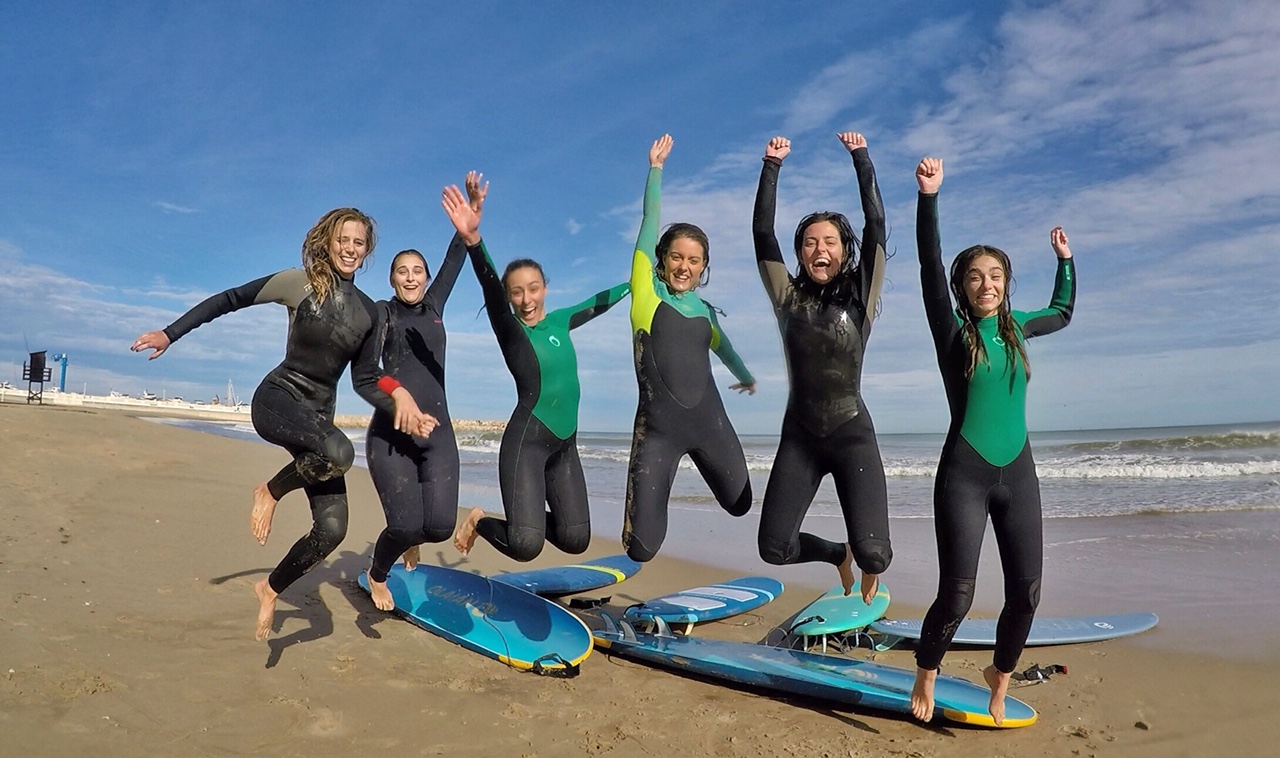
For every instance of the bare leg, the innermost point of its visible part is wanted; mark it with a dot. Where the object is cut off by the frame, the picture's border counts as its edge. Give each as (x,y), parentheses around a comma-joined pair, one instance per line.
(922,694)
(381,595)
(870,586)
(264,508)
(998,681)
(411,558)
(266,609)
(846,569)
(465,537)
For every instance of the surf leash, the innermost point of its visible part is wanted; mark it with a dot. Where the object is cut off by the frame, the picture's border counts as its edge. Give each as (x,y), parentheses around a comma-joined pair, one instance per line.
(564,669)
(1038,673)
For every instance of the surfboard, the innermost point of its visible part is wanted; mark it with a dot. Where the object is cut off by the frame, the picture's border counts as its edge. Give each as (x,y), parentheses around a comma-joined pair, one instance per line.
(861,683)
(497,620)
(709,602)
(836,613)
(1044,631)
(558,581)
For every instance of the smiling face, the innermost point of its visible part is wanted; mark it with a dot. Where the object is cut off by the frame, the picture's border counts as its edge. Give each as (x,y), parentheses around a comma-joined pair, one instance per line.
(985,280)
(348,247)
(683,264)
(526,291)
(821,251)
(409,277)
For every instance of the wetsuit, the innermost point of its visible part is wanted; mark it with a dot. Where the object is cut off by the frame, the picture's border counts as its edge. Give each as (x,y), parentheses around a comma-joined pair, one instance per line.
(538,460)
(416,477)
(826,428)
(293,406)
(986,468)
(680,410)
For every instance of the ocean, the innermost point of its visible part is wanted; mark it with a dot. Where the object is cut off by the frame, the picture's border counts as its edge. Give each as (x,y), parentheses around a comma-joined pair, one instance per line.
(1184,521)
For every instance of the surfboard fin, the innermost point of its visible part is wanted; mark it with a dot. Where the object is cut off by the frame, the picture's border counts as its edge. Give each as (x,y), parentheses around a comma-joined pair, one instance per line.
(662,629)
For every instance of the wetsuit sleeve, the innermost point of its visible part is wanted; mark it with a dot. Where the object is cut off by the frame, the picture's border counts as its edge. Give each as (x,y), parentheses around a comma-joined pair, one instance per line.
(773,269)
(1058,314)
(288,287)
(504,323)
(644,296)
(445,278)
(597,304)
(933,277)
(367,378)
(871,279)
(723,349)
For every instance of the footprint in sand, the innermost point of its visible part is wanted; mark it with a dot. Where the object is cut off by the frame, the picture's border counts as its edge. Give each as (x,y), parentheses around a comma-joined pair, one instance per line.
(326,723)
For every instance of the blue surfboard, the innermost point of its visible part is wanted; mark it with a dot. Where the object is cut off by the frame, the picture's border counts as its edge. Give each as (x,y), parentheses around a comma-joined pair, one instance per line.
(709,602)
(558,581)
(836,613)
(844,680)
(497,620)
(1044,631)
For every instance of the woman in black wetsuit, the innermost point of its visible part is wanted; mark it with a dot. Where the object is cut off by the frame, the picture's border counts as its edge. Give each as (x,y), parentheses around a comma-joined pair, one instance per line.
(986,469)
(416,478)
(824,313)
(330,324)
(544,493)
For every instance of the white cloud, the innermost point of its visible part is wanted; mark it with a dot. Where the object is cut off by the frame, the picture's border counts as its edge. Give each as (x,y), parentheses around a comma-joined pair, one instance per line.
(172,208)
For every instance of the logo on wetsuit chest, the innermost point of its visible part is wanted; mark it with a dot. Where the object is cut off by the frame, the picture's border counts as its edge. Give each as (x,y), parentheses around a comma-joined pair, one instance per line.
(554,340)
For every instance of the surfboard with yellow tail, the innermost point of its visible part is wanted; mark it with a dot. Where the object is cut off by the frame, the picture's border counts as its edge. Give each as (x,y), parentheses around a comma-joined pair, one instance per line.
(558,581)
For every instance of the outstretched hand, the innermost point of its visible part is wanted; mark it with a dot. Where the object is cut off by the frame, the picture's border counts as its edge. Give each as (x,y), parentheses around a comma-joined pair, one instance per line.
(929,175)
(1058,239)
(778,147)
(465,218)
(660,150)
(157,341)
(476,192)
(852,140)
(750,389)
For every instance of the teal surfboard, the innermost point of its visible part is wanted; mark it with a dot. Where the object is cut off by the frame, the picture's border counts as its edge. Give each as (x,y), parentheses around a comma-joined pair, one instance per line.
(497,620)
(837,613)
(859,683)
(709,602)
(1044,631)
(558,581)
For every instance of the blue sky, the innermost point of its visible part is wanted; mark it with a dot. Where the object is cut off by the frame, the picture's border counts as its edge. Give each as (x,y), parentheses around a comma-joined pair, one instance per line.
(156,153)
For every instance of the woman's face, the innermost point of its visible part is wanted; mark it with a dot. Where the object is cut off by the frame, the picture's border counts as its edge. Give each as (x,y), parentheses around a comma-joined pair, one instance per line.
(984,285)
(821,251)
(348,248)
(409,278)
(683,264)
(526,292)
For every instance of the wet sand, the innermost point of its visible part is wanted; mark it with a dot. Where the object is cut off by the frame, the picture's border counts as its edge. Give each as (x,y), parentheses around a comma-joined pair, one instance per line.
(126,627)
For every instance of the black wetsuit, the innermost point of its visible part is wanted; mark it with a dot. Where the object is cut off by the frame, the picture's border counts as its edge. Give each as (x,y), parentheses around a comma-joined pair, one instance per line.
(416,477)
(826,429)
(680,410)
(538,462)
(293,406)
(986,468)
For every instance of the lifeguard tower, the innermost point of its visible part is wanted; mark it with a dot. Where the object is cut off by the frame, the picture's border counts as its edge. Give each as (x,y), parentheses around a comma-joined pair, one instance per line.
(35,373)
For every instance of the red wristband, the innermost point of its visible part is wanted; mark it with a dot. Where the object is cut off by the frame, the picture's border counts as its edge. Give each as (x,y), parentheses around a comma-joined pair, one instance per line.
(388,384)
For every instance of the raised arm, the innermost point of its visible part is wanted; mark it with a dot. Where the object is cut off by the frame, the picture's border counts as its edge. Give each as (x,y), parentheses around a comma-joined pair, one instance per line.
(871,271)
(442,285)
(773,268)
(643,259)
(1061,305)
(723,349)
(933,276)
(597,304)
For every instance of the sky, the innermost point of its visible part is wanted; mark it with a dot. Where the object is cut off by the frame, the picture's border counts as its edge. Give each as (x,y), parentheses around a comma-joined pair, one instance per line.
(157,153)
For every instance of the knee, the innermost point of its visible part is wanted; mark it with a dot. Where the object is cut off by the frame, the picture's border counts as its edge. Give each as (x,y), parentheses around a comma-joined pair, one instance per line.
(436,534)
(402,536)
(576,540)
(776,552)
(1023,595)
(874,555)
(742,505)
(330,530)
(339,451)
(525,545)
(637,550)
(955,597)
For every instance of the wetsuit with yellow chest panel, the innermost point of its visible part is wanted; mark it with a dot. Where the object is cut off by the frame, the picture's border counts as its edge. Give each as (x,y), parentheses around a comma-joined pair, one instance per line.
(680,411)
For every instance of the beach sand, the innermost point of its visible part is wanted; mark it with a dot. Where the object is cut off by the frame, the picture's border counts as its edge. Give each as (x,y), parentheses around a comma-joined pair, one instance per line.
(126,628)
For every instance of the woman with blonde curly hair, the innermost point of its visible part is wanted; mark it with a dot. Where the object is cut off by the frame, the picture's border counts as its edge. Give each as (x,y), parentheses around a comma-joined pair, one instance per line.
(330,324)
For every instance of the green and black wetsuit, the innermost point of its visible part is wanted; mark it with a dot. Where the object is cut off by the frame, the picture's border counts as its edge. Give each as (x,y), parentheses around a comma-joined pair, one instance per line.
(826,429)
(680,410)
(538,461)
(986,468)
(293,406)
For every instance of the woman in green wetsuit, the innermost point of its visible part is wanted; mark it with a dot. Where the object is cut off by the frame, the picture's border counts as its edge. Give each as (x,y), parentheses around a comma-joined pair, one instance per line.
(986,469)
(538,461)
(680,410)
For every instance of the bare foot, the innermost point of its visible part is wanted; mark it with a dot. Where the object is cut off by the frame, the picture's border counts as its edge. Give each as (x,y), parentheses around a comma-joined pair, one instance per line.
(922,694)
(381,595)
(264,508)
(846,569)
(411,558)
(870,586)
(465,537)
(998,681)
(266,609)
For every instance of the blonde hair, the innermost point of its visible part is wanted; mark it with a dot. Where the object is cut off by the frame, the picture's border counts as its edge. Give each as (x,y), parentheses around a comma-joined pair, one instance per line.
(315,248)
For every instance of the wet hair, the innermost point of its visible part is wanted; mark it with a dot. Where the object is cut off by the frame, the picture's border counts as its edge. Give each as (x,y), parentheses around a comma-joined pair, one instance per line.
(315,248)
(1006,327)
(677,231)
(410,251)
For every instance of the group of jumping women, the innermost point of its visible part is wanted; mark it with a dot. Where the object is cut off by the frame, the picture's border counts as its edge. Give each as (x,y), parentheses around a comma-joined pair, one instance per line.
(825,311)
